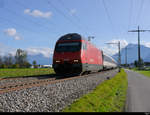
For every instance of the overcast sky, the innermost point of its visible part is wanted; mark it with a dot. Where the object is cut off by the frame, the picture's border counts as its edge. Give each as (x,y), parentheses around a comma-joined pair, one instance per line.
(36,25)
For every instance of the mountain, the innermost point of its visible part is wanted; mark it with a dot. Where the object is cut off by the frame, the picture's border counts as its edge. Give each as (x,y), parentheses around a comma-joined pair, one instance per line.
(132,53)
(40,59)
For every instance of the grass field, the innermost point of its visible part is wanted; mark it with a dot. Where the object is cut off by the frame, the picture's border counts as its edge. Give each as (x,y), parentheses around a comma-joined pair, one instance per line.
(5,73)
(144,72)
(109,96)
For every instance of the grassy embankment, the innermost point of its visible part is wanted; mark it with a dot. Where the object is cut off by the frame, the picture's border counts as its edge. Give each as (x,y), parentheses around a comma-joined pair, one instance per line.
(144,72)
(5,73)
(109,96)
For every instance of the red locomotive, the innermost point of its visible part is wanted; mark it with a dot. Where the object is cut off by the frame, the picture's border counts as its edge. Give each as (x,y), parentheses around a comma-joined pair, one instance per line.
(74,54)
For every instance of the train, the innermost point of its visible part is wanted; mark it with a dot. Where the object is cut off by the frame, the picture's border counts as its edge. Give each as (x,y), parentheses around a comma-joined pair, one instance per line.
(73,54)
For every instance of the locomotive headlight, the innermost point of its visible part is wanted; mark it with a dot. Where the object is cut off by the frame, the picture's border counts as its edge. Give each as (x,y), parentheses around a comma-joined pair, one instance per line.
(76,60)
(57,61)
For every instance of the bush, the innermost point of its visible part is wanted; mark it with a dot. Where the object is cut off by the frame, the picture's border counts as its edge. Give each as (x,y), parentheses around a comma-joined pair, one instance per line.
(15,66)
(4,66)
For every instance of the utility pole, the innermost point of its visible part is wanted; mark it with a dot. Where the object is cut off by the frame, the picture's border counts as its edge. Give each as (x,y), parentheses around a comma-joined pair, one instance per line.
(126,56)
(119,55)
(90,37)
(139,52)
(126,62)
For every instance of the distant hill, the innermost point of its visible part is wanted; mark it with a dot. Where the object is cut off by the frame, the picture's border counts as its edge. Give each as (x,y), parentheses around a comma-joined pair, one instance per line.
(40,59)
(132,53)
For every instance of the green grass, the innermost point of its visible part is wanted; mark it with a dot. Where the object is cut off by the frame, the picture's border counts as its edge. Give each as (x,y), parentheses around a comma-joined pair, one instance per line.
(144,72)
(5,73)
(109,96)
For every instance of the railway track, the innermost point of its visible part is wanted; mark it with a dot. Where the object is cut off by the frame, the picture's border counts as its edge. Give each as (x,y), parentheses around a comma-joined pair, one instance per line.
(18,86)
(25,78)
(8,87)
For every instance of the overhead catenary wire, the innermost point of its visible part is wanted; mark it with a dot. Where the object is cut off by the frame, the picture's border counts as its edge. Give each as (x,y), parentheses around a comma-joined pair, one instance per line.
(109,17)
(3,19)
(22,26)
(21,4)
(64,15)
(130,14)
(129,19)
(139,12)
(74,15)
(147,24)
(31,21)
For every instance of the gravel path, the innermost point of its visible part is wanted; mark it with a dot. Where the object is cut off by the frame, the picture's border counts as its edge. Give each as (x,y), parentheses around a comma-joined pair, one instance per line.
(52,97)
(138,98)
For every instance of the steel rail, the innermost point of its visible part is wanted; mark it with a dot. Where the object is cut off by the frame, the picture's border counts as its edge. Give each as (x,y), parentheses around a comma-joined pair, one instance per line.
(36,83)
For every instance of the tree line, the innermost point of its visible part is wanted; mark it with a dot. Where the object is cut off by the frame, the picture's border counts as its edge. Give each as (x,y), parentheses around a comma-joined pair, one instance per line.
(17,61)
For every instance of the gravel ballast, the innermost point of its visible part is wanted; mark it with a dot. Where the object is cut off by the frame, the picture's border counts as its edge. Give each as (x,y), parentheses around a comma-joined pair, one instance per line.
(52,97)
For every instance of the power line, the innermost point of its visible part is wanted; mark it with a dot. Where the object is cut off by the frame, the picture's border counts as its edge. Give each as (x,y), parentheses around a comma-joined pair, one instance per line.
(126,49)
(130,13)
(108,16)
(26,19)
(76,17)
(22,26)
(139,12)
(90,37)
(139,52)
(26,7)
(61,13)
(119,55)
(29,20)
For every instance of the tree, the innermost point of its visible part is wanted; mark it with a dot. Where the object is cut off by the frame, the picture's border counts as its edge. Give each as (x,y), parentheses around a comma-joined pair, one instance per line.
(21,57)
(4,66)
(136,63)
(6,63)
(8,60)
(15,66)
(27,64)
(142,63)
(1,61)
(34,64)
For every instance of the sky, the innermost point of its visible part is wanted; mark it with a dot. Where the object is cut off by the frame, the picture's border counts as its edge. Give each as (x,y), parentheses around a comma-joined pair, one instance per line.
(36,25)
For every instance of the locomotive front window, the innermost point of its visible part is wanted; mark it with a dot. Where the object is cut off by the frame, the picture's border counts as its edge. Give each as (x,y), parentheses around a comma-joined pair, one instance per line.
(68,47)
(69,44)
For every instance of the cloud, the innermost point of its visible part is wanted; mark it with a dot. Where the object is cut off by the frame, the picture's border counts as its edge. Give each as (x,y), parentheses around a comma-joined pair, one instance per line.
(5,50)
(12,33)
(109,50)
(38,13)
(73,11)
(47,52)
(112,49)
(123,43)
(26,11)
(147,44)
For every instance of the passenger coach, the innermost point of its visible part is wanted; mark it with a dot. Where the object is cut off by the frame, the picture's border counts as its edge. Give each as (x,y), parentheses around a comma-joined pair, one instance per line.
(108,62)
